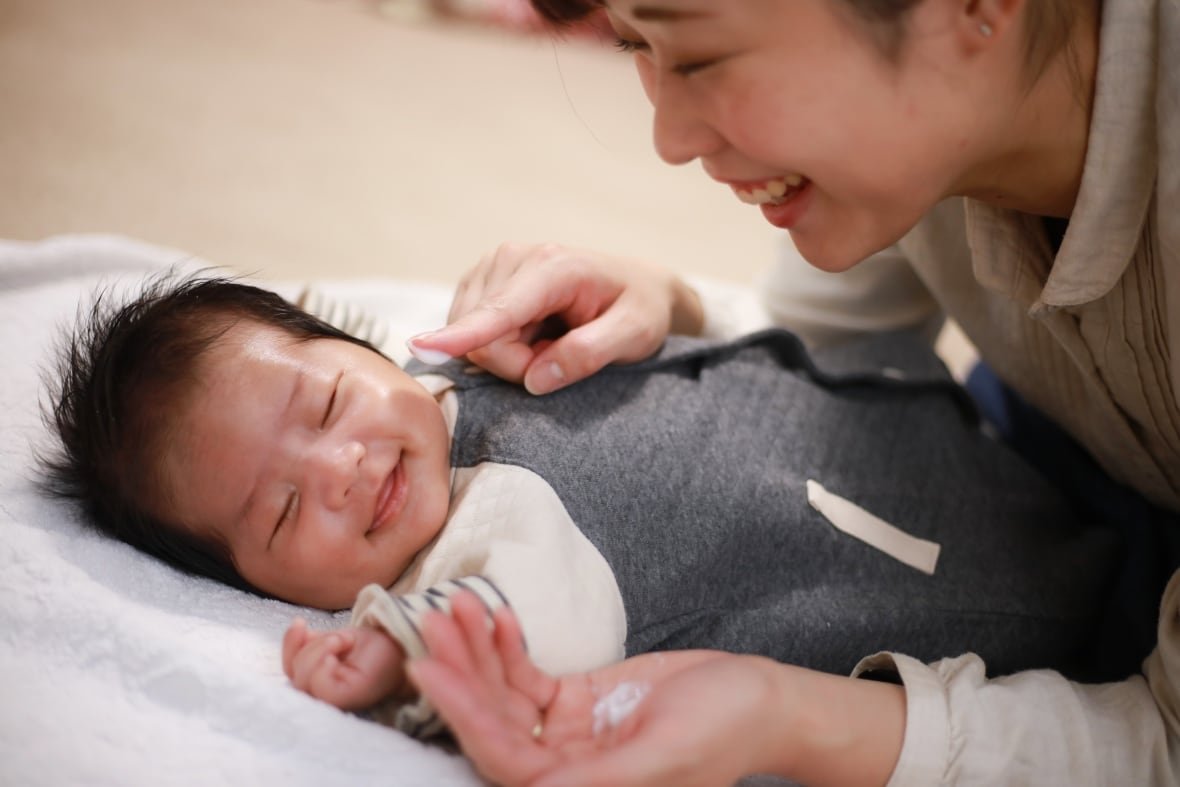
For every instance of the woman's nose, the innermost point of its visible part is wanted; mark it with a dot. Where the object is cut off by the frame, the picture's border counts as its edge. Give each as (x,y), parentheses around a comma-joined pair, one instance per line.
(338,468)
(679,133)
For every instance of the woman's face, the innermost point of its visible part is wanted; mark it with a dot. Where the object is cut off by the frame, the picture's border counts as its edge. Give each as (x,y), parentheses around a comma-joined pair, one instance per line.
(795,106)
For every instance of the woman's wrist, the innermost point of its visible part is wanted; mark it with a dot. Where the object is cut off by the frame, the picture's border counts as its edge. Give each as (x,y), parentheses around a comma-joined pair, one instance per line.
(688,313)
(830,729)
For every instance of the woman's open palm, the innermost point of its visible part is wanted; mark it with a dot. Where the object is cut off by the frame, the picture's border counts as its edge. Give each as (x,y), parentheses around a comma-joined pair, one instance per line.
(634,722)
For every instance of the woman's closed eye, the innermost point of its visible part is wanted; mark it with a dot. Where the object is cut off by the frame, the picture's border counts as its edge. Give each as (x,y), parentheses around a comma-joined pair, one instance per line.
(687,69)
(628,45)
(683,69)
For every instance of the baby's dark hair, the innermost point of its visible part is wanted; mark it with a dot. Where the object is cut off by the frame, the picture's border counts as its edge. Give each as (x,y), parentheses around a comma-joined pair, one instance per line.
(119,381)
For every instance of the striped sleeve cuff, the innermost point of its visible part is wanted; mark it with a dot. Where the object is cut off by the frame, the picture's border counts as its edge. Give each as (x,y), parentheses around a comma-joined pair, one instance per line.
(401,618)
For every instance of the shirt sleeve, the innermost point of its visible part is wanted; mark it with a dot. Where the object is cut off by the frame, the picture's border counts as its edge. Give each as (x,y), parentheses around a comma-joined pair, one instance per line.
(509,539)
(882,293)
(400,616)
(1038,728)
(730,310)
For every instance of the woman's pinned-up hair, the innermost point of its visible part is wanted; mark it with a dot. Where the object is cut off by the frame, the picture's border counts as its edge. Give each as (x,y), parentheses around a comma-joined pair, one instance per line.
(1047,23)
(120,381)
(566,11)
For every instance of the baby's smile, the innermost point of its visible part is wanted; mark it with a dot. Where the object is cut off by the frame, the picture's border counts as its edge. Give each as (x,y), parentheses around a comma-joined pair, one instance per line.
(391,498)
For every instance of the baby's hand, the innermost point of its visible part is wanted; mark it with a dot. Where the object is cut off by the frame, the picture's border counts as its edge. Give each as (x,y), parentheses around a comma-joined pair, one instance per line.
(352,668)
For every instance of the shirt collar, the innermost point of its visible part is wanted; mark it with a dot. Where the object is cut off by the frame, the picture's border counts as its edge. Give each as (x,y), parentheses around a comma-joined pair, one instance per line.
(1118,180)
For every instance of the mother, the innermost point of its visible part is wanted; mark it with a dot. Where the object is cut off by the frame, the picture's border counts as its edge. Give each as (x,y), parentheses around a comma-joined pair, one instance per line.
(1015,163)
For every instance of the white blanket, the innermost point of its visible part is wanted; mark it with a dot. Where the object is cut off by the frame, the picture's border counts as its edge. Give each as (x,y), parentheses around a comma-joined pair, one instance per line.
(116,669)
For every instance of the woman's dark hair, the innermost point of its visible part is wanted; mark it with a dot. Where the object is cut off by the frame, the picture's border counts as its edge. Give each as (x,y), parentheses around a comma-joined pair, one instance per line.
(119,381)
(1048,23)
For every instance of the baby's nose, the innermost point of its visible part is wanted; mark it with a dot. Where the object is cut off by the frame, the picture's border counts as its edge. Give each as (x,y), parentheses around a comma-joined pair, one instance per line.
(340,471)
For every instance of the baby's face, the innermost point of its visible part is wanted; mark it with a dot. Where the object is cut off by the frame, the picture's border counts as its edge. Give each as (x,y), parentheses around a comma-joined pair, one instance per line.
(321,464)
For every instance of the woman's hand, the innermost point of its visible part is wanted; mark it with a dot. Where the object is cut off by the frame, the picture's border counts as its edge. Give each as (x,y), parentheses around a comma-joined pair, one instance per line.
(548,316)
(683,717)
(352,668)
(678,717)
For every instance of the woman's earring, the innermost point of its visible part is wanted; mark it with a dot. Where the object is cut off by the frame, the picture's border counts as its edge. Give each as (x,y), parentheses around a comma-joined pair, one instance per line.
(985,30)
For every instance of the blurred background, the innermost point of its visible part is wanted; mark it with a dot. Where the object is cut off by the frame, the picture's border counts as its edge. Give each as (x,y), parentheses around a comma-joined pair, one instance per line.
(343,138)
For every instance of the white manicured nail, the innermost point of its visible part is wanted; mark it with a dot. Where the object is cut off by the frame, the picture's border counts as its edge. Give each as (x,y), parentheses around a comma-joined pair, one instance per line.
(426,355)
(547,378)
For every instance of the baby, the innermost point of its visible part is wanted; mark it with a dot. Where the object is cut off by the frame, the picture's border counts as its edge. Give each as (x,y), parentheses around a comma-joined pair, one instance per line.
(658,505)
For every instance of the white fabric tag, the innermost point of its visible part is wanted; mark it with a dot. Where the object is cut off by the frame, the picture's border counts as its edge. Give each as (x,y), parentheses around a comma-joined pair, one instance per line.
(855,521)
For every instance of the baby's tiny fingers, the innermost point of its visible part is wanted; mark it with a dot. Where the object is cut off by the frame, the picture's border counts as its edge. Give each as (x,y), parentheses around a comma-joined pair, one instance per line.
(310,657)
(330,682)
(343,641)
(293,640)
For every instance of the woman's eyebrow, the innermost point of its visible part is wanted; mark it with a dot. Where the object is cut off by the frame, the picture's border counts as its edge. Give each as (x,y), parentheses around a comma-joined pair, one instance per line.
(655,13)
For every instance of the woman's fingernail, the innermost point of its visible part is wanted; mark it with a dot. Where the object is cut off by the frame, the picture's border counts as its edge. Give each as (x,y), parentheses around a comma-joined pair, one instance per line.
(544,378)
(425,354)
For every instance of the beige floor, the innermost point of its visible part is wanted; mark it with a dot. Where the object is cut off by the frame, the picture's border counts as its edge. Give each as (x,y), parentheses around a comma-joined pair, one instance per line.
(317,138)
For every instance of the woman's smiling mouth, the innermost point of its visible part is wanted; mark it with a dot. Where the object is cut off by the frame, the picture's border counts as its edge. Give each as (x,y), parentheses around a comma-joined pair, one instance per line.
(771,191)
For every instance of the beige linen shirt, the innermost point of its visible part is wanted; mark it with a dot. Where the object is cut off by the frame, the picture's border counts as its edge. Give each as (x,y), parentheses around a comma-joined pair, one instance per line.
(1091,336)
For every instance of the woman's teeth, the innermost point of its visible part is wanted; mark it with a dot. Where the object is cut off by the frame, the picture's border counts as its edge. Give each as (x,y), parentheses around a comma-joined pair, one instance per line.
(770,191)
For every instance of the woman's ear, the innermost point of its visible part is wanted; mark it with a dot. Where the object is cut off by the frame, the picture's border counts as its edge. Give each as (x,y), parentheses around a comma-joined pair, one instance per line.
(983,23)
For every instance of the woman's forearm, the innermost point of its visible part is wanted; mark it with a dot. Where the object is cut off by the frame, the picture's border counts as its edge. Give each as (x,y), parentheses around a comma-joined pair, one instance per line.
(830,729)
